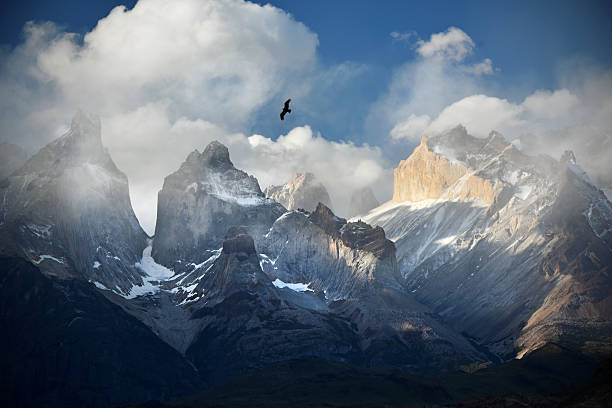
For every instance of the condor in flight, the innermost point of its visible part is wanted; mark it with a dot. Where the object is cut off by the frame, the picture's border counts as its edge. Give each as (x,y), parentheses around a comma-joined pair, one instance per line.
(285,109)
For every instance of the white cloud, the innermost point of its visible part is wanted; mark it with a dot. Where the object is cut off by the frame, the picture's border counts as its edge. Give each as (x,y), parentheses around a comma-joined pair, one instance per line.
(411,128)
(169,77)
(546,104)
(423,88)
(221,59)
(482,68)
(405,36)
(479,114)
(214,60)
(452,44)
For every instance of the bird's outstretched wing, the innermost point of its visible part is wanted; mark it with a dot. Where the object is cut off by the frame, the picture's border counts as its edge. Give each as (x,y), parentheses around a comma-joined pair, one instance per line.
(287,104)
(283,115)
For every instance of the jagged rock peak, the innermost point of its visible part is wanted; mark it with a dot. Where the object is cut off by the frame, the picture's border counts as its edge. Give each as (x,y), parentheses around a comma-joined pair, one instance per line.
(323,217)
(213,172)
(359,235)
(237,240)
(216,155)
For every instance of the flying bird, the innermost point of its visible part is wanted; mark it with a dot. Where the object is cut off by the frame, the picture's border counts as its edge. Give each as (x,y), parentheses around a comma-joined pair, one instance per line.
(285,109)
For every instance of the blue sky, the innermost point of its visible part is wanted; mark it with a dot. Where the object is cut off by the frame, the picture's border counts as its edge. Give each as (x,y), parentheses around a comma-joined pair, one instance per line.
(163,85)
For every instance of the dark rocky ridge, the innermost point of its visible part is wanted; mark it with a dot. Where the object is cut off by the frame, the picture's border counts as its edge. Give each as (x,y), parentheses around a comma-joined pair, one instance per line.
(357,235)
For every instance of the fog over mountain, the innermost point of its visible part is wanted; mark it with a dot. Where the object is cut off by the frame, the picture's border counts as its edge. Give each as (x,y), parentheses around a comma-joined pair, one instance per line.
(423,229)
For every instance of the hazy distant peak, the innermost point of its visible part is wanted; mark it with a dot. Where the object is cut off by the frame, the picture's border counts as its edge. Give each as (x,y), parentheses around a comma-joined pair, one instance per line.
(362,201)
(304,190)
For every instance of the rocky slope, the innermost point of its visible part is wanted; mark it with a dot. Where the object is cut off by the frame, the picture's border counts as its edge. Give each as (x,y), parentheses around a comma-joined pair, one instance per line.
(247,322)
(67,210)
(512,249)
(302,191)
(362,201)
(11,158)
(353,269)
(200,201)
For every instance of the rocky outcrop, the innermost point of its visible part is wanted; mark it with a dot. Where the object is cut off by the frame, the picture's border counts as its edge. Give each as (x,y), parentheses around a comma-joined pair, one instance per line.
(516,258)
(303,191)
(247,322)
(11,158)
(302,247)
(236,269)
(67,210)
(362,201)
(200,201)
(353,268)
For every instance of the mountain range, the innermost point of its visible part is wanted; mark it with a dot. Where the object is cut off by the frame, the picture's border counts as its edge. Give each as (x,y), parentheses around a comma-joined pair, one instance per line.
(485,254)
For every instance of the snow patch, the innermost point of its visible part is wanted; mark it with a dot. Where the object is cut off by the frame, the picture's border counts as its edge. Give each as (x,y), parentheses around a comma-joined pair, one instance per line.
(43,257)
(297,287)
(153,270)
(154,274)
(96,265)
(99,285)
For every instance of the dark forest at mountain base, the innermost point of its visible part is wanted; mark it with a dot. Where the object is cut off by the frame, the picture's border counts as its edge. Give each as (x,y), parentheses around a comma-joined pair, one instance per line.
(549,377)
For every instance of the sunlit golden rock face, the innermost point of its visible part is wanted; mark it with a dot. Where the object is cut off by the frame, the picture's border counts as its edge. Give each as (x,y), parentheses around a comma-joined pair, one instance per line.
(425,175)
(429,175)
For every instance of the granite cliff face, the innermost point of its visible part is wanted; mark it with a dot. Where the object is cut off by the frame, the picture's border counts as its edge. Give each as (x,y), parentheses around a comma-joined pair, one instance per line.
(67,210)
(200,201)
(362,201)
(303,191)
(510,248)
(429,174)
